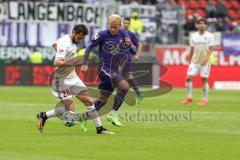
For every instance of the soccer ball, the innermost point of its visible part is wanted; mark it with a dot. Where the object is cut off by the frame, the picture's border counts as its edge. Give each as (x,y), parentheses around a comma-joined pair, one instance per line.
(69,118)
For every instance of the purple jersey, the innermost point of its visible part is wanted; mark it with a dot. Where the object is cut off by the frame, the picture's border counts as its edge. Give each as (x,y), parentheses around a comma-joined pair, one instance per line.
(111,49)
(133,38)
(127,69)
(135,41)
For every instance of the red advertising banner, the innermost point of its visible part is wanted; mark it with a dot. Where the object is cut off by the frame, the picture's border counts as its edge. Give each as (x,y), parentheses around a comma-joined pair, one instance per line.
(38,75)
(225,68)
(41,75)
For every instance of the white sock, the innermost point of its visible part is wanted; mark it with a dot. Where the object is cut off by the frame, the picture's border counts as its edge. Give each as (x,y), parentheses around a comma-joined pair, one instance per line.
(113,112)
(51,113)
(205,91)
(55,112)
(189,89)
(93,114)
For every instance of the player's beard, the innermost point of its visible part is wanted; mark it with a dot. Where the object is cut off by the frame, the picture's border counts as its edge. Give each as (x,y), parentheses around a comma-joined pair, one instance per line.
(74,41)
(202,30)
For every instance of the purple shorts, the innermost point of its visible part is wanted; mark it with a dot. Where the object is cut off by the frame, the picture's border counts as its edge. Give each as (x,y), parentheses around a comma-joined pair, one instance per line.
(109,80)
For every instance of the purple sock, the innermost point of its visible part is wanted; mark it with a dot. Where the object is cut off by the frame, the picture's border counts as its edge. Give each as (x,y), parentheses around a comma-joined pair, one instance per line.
(119,98)
(134,84)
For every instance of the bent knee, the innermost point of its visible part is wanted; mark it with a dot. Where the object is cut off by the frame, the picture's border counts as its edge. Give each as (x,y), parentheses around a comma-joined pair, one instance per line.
(123,85)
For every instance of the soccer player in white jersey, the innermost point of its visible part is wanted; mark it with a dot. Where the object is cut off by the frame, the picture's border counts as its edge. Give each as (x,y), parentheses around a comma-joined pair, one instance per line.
(66,83)
(201,44)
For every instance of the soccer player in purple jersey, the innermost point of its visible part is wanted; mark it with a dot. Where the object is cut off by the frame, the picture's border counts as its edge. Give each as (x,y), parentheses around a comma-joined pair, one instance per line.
(127,70)
(112,42)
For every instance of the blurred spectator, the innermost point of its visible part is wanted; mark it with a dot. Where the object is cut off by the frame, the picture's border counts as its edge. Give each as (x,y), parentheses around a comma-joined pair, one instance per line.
(161,1)
(211,27)
(219,25)
(16,61)
(150,2)
(135,2)
(220,14)
(132,2)
(170,4)
(235,27)
(136,24)
(220,9)
(190,25)
(210,10)
(75,1)
(142,2)
(36,57)
(227,24)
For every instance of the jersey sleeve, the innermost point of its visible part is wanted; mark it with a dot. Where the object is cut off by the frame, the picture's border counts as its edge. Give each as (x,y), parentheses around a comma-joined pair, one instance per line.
(135,40)
(61,51)
(93,43)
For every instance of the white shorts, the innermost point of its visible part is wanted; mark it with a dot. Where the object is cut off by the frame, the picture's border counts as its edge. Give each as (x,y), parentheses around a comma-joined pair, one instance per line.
(194,69)
(65,88)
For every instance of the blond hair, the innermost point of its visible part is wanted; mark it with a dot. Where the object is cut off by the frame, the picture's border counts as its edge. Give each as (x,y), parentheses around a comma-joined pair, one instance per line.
(114,18)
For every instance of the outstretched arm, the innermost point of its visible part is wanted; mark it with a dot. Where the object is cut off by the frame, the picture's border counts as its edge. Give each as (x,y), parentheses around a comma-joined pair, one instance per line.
(138,45)
(139,50)
(93,43)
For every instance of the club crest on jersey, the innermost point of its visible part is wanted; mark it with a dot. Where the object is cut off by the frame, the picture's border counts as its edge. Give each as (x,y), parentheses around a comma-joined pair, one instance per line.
(111,47)
(114,48)
(60,51)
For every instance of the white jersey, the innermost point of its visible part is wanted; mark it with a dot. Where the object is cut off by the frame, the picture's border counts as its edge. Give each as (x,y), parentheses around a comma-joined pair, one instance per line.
(201,44)
(66,51)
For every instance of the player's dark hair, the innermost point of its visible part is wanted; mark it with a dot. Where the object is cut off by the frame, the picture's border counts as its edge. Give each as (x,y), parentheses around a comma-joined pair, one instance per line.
(201,20)
(80,28)
(127,19)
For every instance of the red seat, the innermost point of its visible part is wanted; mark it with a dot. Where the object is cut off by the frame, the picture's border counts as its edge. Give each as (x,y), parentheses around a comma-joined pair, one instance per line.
(226,4)
(192,4)
(238,14)
(234,4)
(214,2)
(202,4)
(238,21)
(182,3)
(188,12)
(231,13)
(200,12)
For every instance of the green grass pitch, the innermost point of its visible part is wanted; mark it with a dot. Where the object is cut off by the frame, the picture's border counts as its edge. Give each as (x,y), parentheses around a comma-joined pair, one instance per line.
(210,132)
